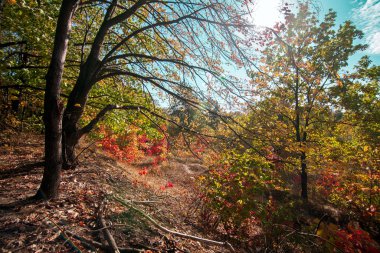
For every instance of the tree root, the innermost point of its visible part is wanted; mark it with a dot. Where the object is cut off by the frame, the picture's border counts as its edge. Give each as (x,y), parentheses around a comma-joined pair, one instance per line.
(157,225)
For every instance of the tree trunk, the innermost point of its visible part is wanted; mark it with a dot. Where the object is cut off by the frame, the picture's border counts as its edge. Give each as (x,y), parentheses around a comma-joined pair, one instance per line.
(300,139)
(303,177)
(53,106)
(74,111)
(72,135)
(86,79)
(53,157)
(69,142)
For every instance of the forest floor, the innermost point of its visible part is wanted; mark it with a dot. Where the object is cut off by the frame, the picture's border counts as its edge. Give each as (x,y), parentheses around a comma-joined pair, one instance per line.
(69,224)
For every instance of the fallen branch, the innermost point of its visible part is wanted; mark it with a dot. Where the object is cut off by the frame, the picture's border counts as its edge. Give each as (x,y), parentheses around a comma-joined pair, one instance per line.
(91,244)
(323,239)
(106,232)
(100,229)
(319,224)
(143,201)
(157,225)
(308,234)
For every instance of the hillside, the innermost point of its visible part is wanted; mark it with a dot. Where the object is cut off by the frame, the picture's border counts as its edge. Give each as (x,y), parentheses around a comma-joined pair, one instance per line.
(165,193)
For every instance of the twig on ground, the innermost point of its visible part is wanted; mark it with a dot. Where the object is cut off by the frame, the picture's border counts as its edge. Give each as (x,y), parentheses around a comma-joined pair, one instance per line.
(100,229)
(106,232)
(308,234)
(155,223)
(146,247)
(143,201)
(91,244)
(64,234)
(319,224)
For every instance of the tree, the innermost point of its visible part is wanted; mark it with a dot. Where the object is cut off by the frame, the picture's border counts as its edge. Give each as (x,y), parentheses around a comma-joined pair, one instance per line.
(358,94)
(53,106)
(300,61)
(148,42)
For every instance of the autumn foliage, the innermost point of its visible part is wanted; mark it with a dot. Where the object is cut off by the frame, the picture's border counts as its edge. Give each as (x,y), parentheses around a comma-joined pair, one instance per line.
(132,146)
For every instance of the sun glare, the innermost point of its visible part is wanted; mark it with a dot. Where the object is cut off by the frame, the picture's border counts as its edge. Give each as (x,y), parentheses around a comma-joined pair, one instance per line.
(265,13)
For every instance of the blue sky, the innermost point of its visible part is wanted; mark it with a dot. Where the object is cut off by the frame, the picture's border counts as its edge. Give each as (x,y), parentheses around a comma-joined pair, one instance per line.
(366,16)
(364,13)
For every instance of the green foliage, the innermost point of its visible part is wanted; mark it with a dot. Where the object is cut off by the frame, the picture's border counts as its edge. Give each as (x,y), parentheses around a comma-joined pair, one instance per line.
(23,66)
(235,186)
(359,94)
(28,27)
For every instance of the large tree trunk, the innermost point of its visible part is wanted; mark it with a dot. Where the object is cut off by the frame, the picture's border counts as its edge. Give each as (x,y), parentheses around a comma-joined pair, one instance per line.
(74,110)
(53,106)
(304,194)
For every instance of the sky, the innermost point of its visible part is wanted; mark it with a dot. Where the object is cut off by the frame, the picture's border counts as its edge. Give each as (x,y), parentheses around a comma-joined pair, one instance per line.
(366,16)
(364,13)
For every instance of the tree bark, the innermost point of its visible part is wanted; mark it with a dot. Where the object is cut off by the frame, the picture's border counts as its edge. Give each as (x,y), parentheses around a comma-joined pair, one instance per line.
(53,106)
(301,138)
(74,110)
(304,194)
(69,142)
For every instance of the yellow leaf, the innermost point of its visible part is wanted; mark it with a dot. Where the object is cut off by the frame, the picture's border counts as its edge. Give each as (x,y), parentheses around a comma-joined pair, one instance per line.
(332,227)
(78,105)
(322,230)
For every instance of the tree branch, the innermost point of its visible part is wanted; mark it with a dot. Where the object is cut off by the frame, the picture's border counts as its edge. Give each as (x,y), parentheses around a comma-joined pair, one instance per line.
(8,44)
